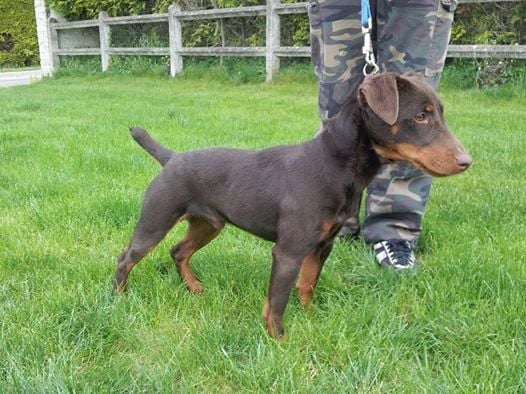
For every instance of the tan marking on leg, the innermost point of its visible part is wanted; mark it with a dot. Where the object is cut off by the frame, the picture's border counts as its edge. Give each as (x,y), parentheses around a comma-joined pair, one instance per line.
(200,232)
(266,309)
(326,228)
(308,277)
(273,331)
(124,266)
(188,277)
(269,322)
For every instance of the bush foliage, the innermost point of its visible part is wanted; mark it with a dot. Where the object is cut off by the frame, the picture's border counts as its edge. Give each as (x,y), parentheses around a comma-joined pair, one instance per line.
(237,31)
(18,37)
(490,23)
(486,23)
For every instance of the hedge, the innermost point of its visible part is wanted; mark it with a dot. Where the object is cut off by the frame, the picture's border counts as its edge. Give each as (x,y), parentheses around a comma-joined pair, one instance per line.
(18,35)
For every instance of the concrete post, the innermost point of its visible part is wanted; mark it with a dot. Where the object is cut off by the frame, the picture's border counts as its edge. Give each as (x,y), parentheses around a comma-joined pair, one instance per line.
(104,34)
(272,39)
(44,39)
(176,40)
(54,46)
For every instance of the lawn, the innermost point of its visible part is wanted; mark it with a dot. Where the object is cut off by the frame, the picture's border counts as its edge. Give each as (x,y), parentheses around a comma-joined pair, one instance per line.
(71,183)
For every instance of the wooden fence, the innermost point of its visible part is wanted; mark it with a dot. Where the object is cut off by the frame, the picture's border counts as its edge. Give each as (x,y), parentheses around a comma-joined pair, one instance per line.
(272,51)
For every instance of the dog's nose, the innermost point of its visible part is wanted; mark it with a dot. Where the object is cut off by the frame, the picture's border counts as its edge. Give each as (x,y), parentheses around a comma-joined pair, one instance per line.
(464,160)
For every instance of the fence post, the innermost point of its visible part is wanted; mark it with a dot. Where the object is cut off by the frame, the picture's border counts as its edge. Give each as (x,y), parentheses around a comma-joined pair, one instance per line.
(44,39)
(272,39)
(104,34)
(176,40)
(53,38)
(223,38)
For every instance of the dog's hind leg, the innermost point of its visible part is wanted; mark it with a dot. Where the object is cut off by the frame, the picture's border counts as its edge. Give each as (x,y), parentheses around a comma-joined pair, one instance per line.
(158,216)
(200,232)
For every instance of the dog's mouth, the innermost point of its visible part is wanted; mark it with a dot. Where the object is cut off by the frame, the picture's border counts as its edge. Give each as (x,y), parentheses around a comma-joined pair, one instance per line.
(418,165)
(425,160)
(426,169)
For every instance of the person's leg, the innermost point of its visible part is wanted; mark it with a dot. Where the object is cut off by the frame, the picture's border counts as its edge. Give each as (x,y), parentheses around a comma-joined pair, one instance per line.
(336,51)
(410,37)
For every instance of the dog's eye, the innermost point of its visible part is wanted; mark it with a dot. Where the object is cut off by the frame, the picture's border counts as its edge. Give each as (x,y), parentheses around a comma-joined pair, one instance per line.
(420,118)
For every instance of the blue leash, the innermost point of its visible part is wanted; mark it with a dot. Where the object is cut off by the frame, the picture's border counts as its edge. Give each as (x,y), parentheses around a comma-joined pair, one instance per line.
(367,19)
(367,25)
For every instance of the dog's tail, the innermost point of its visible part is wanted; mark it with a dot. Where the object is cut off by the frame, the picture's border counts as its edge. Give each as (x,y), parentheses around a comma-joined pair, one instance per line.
(158,152)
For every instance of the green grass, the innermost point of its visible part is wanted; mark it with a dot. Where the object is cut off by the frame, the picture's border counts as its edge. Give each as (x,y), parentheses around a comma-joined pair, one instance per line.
(71,183)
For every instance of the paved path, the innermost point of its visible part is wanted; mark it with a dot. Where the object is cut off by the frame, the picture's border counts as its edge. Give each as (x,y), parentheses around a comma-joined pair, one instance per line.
(14,78)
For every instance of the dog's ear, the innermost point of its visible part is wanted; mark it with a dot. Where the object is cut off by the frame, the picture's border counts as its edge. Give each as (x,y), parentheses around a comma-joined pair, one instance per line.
(380,93)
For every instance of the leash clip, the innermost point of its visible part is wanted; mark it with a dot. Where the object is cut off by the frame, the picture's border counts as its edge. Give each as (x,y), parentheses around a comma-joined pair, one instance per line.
(370,67)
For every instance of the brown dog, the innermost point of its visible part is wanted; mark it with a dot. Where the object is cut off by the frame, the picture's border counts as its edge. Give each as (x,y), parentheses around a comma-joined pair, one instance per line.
(297,196)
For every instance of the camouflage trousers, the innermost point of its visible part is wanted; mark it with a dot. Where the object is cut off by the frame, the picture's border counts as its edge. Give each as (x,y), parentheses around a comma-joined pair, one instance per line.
(407,36)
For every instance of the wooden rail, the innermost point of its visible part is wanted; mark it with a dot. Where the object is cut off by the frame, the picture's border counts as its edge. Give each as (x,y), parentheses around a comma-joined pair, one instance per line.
(272,51)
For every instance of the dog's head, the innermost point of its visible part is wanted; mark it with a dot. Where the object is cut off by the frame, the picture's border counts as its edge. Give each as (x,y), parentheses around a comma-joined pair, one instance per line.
(405,121)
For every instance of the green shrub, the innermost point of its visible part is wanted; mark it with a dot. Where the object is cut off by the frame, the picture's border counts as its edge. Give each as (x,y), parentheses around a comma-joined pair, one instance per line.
(490,24)
(18,38)
(238,31)
(82,9)
(140,65)
(485,73)
(78,66)
(487,23)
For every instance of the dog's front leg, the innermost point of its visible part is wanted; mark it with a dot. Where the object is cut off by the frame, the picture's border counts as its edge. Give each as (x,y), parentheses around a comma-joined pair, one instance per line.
(351,227)
(285,268)
(310,272)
